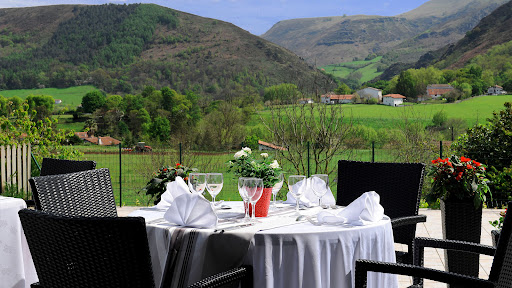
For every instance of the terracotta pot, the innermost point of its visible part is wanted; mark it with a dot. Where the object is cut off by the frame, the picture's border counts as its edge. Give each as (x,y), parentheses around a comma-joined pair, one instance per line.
(262,204)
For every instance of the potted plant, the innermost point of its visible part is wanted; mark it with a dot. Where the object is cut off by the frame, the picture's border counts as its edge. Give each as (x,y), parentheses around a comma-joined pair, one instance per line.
(158,184)
(246,165)
(498,224)
(461,186)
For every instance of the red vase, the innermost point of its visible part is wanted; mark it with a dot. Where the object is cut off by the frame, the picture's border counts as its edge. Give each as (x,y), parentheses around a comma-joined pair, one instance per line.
(262,204)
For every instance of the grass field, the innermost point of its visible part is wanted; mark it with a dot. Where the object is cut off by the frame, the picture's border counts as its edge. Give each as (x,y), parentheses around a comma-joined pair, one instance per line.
(367,68)
(71,96)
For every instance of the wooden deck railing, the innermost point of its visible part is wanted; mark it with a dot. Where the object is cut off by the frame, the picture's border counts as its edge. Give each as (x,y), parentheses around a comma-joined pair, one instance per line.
(15,167)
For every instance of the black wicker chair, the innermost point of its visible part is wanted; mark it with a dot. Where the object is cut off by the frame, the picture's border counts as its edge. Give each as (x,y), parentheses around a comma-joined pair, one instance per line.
(501,270)
(399,186)
(96,252)
(52,166)
(86,193)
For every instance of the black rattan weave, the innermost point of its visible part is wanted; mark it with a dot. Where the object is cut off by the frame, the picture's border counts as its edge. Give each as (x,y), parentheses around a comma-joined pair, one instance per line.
(86,193)
(501,270)
(100,252)
(399,186)
(51,166)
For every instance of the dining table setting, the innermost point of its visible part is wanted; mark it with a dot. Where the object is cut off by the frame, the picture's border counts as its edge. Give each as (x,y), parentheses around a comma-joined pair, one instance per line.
(304,241)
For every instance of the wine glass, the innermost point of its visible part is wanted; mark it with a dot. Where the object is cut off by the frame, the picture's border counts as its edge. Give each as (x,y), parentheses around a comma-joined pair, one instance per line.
(197,182)
(254,188)
(297,184)
(276,189)
(320,185)
(214,183)
(245,197)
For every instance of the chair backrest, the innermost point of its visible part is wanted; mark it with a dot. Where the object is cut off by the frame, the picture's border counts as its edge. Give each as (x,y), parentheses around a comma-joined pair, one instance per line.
(501,269)
(398,184)
(86,193)
(52,166)
(88,251)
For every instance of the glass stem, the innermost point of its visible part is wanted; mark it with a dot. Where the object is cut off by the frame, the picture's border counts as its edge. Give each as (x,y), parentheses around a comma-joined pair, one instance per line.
(246,205)
(297,206)
(274,200)
(253,217)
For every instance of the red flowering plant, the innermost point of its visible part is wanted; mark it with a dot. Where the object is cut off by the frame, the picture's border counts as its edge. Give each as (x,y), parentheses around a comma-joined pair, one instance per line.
(158,184)
(458,179)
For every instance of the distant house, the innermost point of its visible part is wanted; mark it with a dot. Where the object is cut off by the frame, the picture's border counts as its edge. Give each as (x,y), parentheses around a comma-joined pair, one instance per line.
(306,101)
(393,99)
(370,92)
(104,141)
(269,146)
(438,90)
(336,99)
(495,90)
(58,101)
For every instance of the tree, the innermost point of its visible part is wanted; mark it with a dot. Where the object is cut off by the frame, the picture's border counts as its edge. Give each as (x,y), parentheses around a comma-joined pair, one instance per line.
(41,104)
(343,89)
(285,93)
(439,118)
(160,129)
(92,101)
(406,84)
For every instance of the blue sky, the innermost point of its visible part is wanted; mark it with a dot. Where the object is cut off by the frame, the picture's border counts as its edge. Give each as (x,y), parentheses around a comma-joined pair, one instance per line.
(256,16)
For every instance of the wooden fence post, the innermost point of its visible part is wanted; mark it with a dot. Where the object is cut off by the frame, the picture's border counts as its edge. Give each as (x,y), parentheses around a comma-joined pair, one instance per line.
(2,169)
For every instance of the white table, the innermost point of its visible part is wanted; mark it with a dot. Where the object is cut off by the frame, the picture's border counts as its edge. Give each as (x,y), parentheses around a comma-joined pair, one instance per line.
(16,266)
(297,255)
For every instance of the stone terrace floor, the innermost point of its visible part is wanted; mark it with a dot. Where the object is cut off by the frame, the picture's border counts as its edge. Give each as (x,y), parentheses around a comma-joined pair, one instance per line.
(434,258)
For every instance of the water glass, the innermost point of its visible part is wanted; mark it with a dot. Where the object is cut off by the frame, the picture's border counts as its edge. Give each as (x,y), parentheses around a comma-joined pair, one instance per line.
(297,184)
(320,185)
(245,197)
(254,189)
(214,183)
(197,182)
(276,188)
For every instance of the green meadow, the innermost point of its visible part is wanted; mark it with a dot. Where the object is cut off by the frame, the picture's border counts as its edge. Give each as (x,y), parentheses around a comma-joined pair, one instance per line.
(71,96)
(368,69)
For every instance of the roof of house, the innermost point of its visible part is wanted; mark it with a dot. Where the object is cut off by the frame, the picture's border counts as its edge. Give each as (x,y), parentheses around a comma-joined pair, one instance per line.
(105,141)
(438,91)
(496,86)
(270,145)
(371,88)
(397,96)
(439,86)
(81,135)
(339,97)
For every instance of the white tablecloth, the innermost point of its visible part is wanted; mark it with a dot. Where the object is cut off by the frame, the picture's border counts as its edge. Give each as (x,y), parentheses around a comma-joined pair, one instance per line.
(16,266)
(298,255)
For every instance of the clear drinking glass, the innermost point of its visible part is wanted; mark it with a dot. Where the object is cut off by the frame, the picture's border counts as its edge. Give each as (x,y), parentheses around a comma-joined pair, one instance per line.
(254,188)
(276,189)
(297,184)
(245,197)
(197,182)
(320,185)
(214,183)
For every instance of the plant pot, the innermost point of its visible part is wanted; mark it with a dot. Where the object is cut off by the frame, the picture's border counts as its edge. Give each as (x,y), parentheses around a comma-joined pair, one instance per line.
(461,221)
(495,234)
(262,204)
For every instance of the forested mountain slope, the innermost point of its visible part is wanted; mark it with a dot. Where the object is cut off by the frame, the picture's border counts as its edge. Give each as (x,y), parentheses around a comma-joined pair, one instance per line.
(122,48)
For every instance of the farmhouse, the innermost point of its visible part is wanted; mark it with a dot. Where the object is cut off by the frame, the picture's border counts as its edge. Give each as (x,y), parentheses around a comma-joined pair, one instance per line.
(370,92)
(104,141)
(58,101)
(393,99)
(269,146)
(495,90)
(336,99)
(437,90)
(306,101)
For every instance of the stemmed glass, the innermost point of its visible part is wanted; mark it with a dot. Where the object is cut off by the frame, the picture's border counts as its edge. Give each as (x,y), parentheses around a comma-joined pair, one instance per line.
(320,185)
(276,189)
(254,189)
(245,197)
(197,182)
(296,184)
(214,183)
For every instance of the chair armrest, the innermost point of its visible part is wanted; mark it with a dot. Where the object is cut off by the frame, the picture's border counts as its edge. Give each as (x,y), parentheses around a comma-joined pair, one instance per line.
(420,243)
(363,266)
(408,220)
(243,273)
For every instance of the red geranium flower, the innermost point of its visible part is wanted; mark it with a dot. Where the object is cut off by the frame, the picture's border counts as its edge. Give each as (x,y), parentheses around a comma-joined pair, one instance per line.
(464,159)
(165,169)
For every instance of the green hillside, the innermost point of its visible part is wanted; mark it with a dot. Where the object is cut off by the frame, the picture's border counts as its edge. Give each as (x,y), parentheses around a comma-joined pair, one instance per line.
(70,96)
(367,68)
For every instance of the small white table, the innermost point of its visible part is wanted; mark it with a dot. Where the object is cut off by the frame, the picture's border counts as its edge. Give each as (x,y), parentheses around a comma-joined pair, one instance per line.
(16,266)
(298,255)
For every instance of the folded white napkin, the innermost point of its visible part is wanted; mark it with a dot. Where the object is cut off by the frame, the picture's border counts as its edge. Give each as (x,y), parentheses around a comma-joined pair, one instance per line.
(364,210)
(192,210)
(308,198)
(174,189)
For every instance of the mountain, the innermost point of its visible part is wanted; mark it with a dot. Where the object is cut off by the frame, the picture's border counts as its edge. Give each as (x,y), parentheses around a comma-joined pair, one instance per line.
(401,38)
(122,48)
(492,30)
